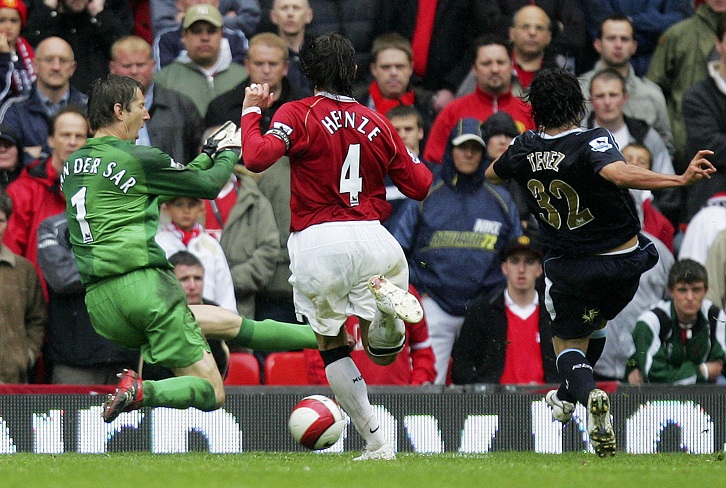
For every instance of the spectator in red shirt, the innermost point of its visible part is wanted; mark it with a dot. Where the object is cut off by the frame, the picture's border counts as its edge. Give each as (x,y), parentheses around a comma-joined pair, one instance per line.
(492,67)
(36,193)
(506,336)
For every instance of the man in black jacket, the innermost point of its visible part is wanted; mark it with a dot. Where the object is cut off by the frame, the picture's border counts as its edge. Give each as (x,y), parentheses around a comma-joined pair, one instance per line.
(506,336)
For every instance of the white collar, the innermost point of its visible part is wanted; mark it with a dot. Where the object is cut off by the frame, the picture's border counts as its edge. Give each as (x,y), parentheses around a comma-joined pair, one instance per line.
(544,135)
(339,98)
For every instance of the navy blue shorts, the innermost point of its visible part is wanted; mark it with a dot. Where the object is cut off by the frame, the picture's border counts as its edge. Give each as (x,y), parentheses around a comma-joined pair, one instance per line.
(581,291)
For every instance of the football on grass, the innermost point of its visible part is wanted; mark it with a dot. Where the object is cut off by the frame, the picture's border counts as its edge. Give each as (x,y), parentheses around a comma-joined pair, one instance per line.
(316,422)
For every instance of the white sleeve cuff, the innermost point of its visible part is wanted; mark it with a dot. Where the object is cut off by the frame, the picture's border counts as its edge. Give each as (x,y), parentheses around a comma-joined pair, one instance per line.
(250,110)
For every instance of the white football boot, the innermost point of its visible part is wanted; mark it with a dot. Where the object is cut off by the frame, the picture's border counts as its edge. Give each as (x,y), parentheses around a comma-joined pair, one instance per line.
(383,453)
(599,425)
(392,300)
(561,410)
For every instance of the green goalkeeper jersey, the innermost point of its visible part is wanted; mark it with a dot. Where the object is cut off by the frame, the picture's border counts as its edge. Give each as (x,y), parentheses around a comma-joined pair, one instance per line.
(113,189)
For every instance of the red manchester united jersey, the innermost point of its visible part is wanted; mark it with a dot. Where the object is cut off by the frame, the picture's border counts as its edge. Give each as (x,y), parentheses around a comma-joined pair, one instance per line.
(340,151)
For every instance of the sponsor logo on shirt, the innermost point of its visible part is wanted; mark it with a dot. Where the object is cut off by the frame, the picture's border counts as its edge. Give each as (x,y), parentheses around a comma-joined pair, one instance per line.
(285,128)
(282,132)
(600,144)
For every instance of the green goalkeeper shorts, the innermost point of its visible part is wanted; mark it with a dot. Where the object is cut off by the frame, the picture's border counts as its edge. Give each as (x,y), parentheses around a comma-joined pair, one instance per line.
(147,309)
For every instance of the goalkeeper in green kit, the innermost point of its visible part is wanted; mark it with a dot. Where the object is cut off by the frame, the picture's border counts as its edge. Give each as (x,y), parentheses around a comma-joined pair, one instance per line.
(113,190)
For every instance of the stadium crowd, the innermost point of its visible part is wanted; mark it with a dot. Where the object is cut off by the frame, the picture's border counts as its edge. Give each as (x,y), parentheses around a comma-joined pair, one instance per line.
(453,79)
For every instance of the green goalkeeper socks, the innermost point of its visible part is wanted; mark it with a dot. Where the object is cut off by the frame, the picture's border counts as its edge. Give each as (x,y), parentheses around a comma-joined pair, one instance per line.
(180,392)
(271,335)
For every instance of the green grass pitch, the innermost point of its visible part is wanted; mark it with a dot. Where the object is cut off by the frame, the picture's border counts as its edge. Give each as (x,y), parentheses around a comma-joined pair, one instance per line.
(310,470)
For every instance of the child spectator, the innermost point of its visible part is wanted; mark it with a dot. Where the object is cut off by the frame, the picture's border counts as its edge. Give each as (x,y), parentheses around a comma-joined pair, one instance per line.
(654,222)
(17,72)
(185,233)
(500,129)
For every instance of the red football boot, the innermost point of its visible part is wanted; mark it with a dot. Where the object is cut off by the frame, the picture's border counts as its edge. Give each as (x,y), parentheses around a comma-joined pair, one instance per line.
(128,396)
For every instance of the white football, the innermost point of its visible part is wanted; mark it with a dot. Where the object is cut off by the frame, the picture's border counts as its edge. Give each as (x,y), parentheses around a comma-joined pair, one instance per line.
(316,422)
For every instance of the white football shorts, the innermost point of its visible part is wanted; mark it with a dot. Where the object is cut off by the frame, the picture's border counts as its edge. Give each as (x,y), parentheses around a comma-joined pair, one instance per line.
(331,264)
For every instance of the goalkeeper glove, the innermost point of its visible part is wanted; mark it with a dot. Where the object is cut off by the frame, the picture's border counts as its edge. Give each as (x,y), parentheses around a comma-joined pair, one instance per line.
(227,137)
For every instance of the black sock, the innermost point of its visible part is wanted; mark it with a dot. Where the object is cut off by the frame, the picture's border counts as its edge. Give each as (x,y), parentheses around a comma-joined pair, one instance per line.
(332,355)
(595,349)
(563,394)
(577,374)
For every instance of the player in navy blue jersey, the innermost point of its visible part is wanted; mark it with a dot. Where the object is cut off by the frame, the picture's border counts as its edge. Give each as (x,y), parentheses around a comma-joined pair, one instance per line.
(575,181)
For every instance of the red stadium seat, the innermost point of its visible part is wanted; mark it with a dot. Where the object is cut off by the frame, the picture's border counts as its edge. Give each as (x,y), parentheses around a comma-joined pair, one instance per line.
(286,368)
(243,369)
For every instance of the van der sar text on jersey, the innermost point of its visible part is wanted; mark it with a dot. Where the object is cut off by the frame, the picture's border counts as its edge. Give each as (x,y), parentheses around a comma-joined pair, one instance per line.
(91,165)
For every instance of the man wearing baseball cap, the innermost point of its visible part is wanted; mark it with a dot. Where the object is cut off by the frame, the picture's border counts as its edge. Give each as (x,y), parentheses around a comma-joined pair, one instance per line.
(169,45)
(506,336)
(205,70)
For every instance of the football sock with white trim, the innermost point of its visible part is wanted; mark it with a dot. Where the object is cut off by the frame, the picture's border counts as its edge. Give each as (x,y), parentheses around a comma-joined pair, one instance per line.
(352,394)
(577,375)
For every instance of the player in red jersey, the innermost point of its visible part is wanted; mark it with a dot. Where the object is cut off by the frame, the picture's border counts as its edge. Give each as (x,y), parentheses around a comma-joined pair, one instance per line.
(340,152)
